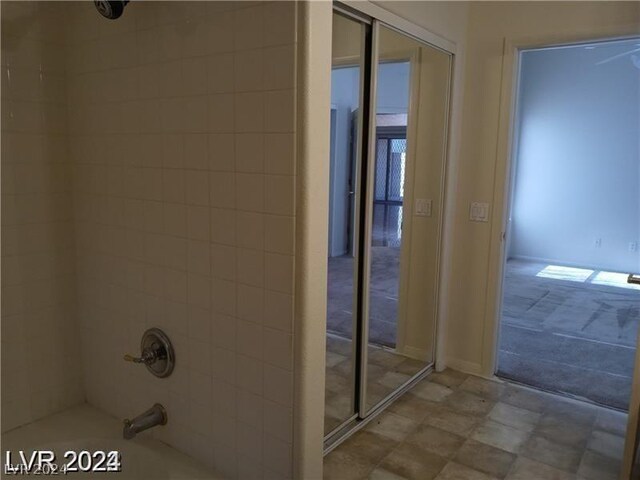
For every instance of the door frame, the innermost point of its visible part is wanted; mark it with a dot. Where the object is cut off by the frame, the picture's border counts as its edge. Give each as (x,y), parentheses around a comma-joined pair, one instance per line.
(503,179)
(398,23)
(503,193)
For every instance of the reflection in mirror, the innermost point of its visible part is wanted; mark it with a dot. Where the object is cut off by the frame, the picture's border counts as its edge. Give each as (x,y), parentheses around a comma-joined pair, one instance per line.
(410,127)
(346,79)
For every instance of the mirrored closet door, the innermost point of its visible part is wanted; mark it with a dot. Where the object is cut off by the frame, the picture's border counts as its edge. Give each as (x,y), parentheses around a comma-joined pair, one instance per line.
(389,110)
(404,206)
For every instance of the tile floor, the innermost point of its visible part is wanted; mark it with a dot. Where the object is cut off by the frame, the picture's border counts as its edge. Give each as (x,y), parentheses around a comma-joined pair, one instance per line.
(453,426)
(386,372)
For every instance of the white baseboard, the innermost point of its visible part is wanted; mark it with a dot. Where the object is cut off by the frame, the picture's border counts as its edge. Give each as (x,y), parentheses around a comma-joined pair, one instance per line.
(464,366)
(563,263)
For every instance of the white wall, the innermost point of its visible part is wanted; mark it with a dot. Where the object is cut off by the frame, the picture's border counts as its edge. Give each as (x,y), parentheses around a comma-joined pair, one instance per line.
(392,92)
(345,95)
(393,87)
(578,159)
(392,97)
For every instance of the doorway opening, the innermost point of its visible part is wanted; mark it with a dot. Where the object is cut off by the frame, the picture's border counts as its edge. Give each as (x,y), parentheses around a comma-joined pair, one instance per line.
(569,318)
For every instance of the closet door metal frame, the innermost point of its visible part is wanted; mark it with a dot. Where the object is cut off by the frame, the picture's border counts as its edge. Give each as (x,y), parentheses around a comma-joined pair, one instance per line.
(368,190)
(357,188)
(368,13)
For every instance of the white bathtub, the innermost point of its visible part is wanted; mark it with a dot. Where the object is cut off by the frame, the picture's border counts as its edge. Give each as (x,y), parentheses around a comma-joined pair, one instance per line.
(86,428)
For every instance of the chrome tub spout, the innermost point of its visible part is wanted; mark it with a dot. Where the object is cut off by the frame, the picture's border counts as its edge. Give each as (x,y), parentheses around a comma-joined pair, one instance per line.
(156,415)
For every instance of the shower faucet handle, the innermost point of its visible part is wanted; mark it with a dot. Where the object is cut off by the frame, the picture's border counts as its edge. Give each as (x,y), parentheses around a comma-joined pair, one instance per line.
(156,353)
(149,356)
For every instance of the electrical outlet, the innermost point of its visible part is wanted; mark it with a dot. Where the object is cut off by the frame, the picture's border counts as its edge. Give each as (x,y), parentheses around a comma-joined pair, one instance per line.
(598,242)
(633,246)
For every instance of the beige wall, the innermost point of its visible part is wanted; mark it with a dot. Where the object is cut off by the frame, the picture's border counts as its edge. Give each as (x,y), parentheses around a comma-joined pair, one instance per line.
(481,170)
(182,124)
(425,159)
(41,370)
(446,19)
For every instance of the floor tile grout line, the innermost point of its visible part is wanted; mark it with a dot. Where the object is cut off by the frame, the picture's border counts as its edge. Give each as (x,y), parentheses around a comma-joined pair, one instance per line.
(549,406)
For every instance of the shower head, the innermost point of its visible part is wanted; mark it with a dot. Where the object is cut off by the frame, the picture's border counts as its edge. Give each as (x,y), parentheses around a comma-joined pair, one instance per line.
(110,9)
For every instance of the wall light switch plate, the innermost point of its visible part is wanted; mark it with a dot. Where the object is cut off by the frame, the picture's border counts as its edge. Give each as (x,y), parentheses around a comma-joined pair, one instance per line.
(479,212)
(423,207)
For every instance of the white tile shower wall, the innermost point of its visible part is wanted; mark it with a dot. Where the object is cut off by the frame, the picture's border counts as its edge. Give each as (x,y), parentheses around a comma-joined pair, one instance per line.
(182,122)
(41,371)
